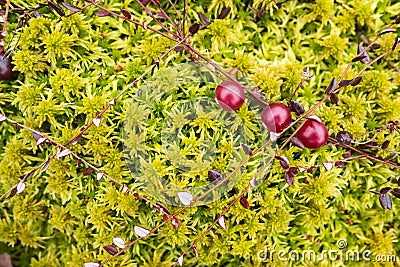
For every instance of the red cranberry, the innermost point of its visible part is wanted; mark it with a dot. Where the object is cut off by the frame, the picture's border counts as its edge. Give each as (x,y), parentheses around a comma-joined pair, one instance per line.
(276,117)
(313,134)
(230,95)
(6,67)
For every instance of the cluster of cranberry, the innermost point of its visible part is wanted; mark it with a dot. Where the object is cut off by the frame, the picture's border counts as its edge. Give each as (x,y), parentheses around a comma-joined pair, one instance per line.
(275,117)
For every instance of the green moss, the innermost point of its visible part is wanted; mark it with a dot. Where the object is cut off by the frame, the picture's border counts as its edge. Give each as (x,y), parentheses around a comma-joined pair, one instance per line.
(69,69)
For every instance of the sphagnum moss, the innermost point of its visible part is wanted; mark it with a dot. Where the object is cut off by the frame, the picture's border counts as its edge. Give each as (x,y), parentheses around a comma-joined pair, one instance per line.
(67,75)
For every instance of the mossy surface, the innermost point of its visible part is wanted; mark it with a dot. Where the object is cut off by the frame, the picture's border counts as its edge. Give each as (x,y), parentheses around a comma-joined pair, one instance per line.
(69,69)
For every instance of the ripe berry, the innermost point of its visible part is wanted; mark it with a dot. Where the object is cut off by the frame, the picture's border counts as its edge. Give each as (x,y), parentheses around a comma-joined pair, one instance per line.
(313,134)
(6,67)
(276,117)
(230,95)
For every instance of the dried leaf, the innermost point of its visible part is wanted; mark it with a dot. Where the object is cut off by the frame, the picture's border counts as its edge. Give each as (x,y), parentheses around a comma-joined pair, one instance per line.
(203,18)
(162,208)
(119,242)
(124,189)
(339,164)
(296,107)
(179,48)
(56,8)
(334,98)
(289,178)
(253,182)
(91,264)
(356,81)
(103,13)
(88,171)
(194,28)
(110,250)
(96,121)
(37,136)
(161,15)
(141,232)
(222,222)
(384,190)
(385,144)
(145,2)
(2,117)
(359,58)
(196,254)
(331,87)
(396,192)
(244,202)
(224,13)
(20,187)
(12,193)
(126,13)
(290,174)
(71,7)
(214,177)
(180,260)
(296,141)
(385,31)
(367,58)
(344,83)
(63,153)
(41,141)
(328,165)
(45,166)
(386,201)
(185,197)
(99,175)
(344,138)
(283,161)
(175,222)
(396,42)
(247,149)
(375,46)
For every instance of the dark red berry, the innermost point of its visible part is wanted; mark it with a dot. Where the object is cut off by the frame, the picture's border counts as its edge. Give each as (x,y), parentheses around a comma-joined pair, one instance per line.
(276,117)
(6,67)
(313,134)
(230,95)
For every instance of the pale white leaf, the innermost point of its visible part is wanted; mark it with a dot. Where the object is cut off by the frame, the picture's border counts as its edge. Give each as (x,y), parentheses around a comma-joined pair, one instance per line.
(41,141)
(253,182)
(221,222)
(140,231)
(63,153)
(99,175)
(180,260)
(328,166)
(119,242)
(20,187)
(124,189)
(2,117)
(112,102)
(96,121)
(301,169)
(2,19)
(185,197)
(91,264)
(196,254)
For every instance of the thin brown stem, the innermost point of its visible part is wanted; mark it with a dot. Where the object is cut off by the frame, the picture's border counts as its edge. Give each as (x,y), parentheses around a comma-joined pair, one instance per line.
(134,22)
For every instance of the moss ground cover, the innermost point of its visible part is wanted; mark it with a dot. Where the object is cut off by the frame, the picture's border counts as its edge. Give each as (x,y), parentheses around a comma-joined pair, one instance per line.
(69,68)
